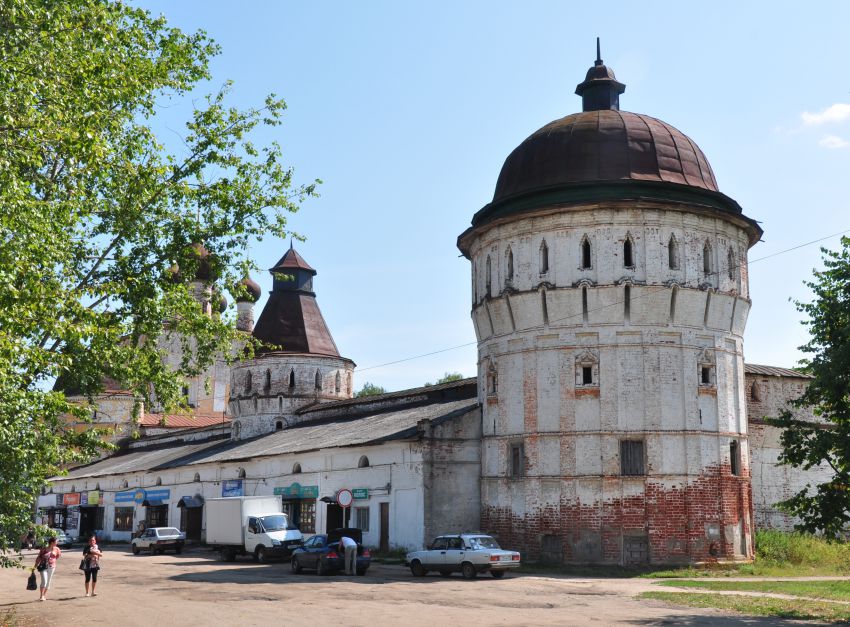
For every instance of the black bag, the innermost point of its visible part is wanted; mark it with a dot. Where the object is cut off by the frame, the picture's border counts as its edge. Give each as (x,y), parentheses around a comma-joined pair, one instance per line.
(83,564)
(41,566)
(31,584)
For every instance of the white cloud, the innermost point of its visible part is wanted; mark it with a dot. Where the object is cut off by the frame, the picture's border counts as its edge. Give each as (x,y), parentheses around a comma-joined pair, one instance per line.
(833,142)
(833,113)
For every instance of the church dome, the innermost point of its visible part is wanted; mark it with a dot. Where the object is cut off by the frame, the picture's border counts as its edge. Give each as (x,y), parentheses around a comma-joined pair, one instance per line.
(603,154)
(603,145)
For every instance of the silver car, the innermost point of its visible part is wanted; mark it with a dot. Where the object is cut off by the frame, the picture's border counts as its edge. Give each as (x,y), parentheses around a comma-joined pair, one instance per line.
(159,540)
(467,553)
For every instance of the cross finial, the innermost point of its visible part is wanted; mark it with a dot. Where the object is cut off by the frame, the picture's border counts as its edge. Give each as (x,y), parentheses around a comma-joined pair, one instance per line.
(598,53)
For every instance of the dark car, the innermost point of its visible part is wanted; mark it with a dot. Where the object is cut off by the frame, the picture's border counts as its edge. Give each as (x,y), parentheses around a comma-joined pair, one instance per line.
(322,553)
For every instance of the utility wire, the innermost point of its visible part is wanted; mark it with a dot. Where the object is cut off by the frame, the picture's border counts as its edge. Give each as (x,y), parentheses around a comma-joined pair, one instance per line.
(613,304)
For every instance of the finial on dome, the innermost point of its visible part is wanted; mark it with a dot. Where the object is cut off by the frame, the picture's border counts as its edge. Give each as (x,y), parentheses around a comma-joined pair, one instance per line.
(600,90)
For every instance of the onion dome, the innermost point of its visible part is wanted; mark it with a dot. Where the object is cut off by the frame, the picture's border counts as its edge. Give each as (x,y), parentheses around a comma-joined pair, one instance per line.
(204,270)
(248,290)
(222,303)
(605,154)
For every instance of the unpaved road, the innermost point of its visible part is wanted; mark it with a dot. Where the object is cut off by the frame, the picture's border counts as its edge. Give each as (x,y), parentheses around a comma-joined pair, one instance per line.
(195,589)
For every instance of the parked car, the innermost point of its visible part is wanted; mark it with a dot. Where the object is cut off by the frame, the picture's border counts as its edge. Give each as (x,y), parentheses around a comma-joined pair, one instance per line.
(159,540)
(322,553)
(63,540)
(468,554)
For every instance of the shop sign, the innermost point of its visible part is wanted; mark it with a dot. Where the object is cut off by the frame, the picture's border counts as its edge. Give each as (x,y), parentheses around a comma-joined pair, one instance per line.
(60,501)
(128,496)
(90,498)
(231,487)
(71,498)
(298,491)
(163,494)
(360,493)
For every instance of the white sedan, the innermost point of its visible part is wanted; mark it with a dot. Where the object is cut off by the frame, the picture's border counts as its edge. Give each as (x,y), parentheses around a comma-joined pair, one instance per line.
(159,540)
(469,554)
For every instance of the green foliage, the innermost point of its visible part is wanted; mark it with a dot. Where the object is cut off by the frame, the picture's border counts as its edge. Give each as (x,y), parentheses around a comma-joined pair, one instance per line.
(96,211)
(447,378)
(838,590)
(800,550)
(825,507)
(800,609)
(370,389)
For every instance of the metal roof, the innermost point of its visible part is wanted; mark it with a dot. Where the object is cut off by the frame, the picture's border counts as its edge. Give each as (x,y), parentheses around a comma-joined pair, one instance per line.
(775,371)
(372,429)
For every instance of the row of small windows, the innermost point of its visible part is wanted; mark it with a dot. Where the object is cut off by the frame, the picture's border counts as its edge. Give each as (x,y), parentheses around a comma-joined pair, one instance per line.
(249,381)
(586,260)
(587,371)
(632,459)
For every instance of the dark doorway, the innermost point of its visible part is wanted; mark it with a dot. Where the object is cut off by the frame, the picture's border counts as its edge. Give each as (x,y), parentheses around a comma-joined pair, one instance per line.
(91,521)
(156,516)
(56,519)
(190,522)
(333,519)
(385,528)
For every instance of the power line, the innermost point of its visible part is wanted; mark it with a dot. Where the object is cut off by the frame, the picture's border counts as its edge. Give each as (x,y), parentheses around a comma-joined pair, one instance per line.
(613,304)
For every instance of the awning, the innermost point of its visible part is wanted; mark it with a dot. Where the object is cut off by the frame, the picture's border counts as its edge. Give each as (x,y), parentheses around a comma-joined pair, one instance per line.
(191,501)
(152,503)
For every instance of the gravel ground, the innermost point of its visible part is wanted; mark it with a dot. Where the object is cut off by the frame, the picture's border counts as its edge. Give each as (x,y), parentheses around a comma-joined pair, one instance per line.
(196,589)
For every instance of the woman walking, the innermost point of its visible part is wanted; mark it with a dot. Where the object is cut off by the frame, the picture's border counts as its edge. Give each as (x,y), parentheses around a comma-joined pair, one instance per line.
(91,555)
(45,564)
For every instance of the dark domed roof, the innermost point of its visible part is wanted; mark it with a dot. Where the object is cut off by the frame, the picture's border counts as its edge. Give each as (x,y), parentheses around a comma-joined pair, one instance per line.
(604,145)
(252,291)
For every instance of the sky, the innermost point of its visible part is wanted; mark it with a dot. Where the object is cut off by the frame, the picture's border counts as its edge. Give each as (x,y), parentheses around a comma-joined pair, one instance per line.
(406,111)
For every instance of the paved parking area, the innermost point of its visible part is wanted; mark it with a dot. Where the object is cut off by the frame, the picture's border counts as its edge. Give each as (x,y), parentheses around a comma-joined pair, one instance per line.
(196,589)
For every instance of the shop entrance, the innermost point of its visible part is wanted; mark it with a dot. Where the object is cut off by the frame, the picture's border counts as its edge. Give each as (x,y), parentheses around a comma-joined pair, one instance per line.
(333,517)
(385,528)
(190,522)
(56,519)
(301,513)
(91,521)
(156,516)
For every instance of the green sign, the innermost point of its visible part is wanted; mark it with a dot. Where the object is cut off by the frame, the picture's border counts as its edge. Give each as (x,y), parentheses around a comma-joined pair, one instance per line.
(298,491)
(360,493)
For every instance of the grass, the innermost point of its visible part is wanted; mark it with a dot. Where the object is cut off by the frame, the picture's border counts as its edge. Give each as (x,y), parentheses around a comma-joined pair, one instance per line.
(830,590)
(758,606)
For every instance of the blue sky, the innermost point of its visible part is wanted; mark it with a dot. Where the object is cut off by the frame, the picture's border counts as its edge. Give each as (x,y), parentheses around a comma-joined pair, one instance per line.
(407,111)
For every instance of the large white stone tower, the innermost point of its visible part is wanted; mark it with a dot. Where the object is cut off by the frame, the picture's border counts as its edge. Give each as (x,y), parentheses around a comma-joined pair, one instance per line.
(609,280)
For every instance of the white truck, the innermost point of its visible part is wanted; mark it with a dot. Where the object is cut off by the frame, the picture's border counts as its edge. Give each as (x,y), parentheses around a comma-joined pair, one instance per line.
(237,525)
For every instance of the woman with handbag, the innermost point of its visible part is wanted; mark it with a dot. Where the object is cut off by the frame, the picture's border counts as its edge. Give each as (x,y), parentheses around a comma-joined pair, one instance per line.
(45,564)
(91,564)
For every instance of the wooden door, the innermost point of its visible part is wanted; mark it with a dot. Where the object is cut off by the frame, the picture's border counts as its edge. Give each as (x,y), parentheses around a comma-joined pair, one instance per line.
(385,528)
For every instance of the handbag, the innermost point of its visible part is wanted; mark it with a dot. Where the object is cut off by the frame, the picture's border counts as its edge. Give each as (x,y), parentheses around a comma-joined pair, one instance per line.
(83,564)
(31,584)
(41,566)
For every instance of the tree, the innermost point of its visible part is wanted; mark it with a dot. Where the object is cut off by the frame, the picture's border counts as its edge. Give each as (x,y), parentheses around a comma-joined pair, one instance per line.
(97,215)
(447,378)
(824,508)
(370,389)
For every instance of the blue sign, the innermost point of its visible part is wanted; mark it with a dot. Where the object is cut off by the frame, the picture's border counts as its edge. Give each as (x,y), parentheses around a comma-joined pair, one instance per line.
(163,494)
(129,496)
(231,487)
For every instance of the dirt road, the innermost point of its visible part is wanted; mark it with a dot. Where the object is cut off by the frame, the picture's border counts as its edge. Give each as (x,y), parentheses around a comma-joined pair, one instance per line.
(196,589)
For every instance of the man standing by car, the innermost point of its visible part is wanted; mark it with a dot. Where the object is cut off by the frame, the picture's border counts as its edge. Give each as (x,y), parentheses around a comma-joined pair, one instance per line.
(349,547)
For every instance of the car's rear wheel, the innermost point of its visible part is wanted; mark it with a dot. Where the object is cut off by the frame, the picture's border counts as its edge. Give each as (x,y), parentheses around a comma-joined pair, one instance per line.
(418,569)
(296,567)
(135,550)
(468,570)
(321,569)
(497,574)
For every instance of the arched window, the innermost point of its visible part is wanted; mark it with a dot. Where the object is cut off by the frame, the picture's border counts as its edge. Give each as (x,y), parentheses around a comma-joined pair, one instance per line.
(125,484)
(492,380)
(159,481)
(363,462)
(318,380)
(338,382)
(544,258)
(489,278)
(732,263)
(241,474)
(627,302)
(268,383)
(628,252)
(280,403)
(755,392)
(197,477)
(296,468)
(255,402)
(509,266)
(278,425)
(249,383)
(292,378)
(584,310)
(236,430)
(734,458)
(585,254)
(706,258)
(673,253)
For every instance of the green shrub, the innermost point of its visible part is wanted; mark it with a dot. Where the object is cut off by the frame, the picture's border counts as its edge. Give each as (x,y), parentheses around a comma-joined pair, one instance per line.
(800,549)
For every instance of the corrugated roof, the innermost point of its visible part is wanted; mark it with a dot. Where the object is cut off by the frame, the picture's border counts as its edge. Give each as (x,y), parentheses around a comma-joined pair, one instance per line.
(308,437)
(775,371)
(182,421)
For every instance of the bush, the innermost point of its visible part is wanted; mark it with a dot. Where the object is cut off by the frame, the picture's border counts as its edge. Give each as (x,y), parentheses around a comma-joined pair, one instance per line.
(800,549)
